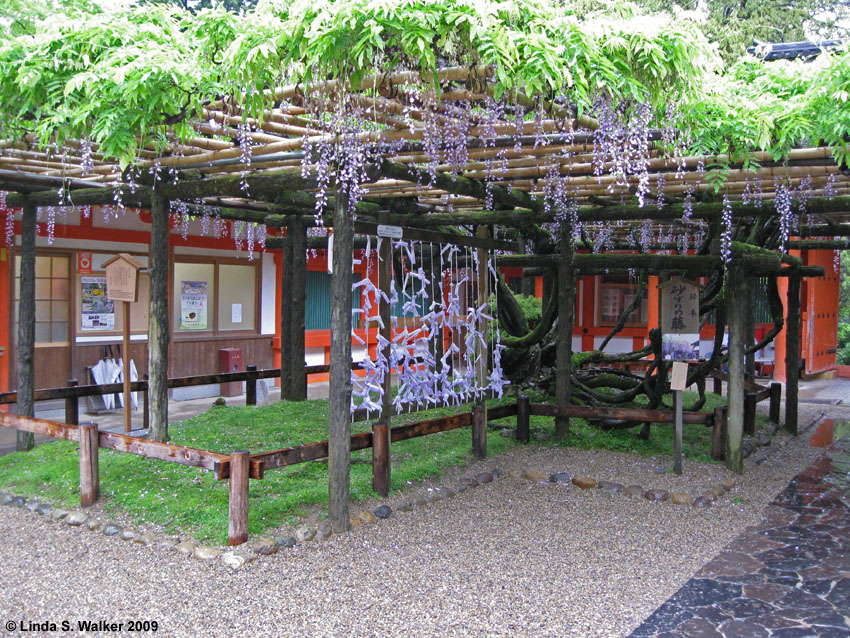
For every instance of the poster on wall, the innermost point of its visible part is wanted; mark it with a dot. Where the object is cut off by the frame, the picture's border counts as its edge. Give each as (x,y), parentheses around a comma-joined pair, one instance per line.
(193,305)
(97,312)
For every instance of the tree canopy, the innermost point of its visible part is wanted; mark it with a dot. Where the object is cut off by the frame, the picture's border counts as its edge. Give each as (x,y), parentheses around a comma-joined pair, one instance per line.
(128,77)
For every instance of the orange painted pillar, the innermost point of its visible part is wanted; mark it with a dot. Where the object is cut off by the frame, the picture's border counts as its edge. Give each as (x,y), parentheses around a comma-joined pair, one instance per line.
(654,306)
(779,342)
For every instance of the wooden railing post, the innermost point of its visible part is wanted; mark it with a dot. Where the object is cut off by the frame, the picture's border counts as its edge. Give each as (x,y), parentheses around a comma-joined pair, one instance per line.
(749,413)
(237,517)
(251,387)
(718,387)
(775,400)
(479,430)
(146,406)
(72,405)
(718,435)
(523,431)
(381,457)
(89,467)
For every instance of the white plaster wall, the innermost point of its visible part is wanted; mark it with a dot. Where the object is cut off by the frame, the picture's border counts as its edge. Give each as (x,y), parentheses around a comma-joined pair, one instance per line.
(268,292)
(617,345)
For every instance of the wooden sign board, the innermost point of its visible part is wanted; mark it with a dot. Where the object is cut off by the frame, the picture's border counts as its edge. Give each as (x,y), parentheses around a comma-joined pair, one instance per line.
(122,277)
(679,306)
(679,377)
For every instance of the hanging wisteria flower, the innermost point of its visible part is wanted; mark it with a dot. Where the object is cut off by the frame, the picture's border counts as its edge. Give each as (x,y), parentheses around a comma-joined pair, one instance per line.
(726,232)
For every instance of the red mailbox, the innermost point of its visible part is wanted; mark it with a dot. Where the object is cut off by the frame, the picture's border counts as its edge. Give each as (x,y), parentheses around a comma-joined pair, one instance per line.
(230,360)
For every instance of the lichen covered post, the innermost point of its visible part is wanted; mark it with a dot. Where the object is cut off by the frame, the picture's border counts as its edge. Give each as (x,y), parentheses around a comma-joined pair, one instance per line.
(339,405)
(25,347)
(792,354)
(298,301)
(158,324)
(739,285)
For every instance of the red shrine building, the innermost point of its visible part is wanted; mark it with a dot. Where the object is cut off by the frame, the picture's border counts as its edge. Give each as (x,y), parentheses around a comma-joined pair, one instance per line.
(224,291)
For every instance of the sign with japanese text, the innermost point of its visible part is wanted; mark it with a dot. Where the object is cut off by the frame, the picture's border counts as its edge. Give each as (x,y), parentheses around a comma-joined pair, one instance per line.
(680,319)
(122,277)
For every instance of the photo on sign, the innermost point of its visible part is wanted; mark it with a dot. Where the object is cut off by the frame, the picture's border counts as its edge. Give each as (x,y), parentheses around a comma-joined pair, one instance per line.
(680,347)
(98,312)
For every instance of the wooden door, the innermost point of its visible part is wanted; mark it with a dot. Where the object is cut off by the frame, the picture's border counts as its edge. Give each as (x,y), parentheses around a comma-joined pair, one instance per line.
(821,320)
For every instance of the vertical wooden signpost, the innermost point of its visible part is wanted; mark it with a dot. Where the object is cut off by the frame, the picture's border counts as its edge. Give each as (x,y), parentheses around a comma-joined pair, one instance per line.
(679,343)
(122,284)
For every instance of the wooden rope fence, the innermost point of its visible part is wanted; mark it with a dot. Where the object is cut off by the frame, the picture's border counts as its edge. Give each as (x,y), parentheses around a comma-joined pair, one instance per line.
(240,466)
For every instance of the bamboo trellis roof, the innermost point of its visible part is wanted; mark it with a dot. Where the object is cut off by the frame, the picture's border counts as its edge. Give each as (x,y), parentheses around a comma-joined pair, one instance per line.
(520,159)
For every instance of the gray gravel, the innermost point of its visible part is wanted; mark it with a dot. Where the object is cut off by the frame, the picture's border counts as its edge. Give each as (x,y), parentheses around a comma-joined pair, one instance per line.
(510,558)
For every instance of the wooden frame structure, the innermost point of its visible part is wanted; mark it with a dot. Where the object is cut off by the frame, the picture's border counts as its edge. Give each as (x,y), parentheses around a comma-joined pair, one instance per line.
(278,189)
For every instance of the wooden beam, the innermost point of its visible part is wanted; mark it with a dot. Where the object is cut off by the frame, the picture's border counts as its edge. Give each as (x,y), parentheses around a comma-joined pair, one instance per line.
(459,185)
(25,346)
(159,331)
(339,404)
(43,427)
(594,412)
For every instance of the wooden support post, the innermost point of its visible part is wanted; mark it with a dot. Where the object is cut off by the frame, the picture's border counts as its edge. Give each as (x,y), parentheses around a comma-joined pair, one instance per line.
(381,429)
(479,437)
(792,354)
(738,294)
(749,413)
(339,439)
(298,247)
(128,416)
(146,406)
(523,414)
(479,431)
(718,387)
(677,432)
(381,457)
(251,387)
(718,435)
(72,405)
(25,347)
(564,332)
(89,467)
(286,320)
(237,515)
(775,402)
(158,322)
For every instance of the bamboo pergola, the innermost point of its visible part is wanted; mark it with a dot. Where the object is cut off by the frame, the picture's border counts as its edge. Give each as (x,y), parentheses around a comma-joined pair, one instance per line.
(504,181)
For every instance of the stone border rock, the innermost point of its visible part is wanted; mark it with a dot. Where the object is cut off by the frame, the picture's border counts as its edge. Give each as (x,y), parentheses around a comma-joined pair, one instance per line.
(706,499)
(764,438)
(237,557)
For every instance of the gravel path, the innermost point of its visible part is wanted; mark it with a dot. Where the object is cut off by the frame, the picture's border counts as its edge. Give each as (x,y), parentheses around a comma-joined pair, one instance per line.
(510,558)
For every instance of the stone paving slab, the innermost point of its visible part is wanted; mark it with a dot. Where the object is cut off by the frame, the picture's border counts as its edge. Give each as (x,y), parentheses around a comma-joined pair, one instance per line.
(788,577)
